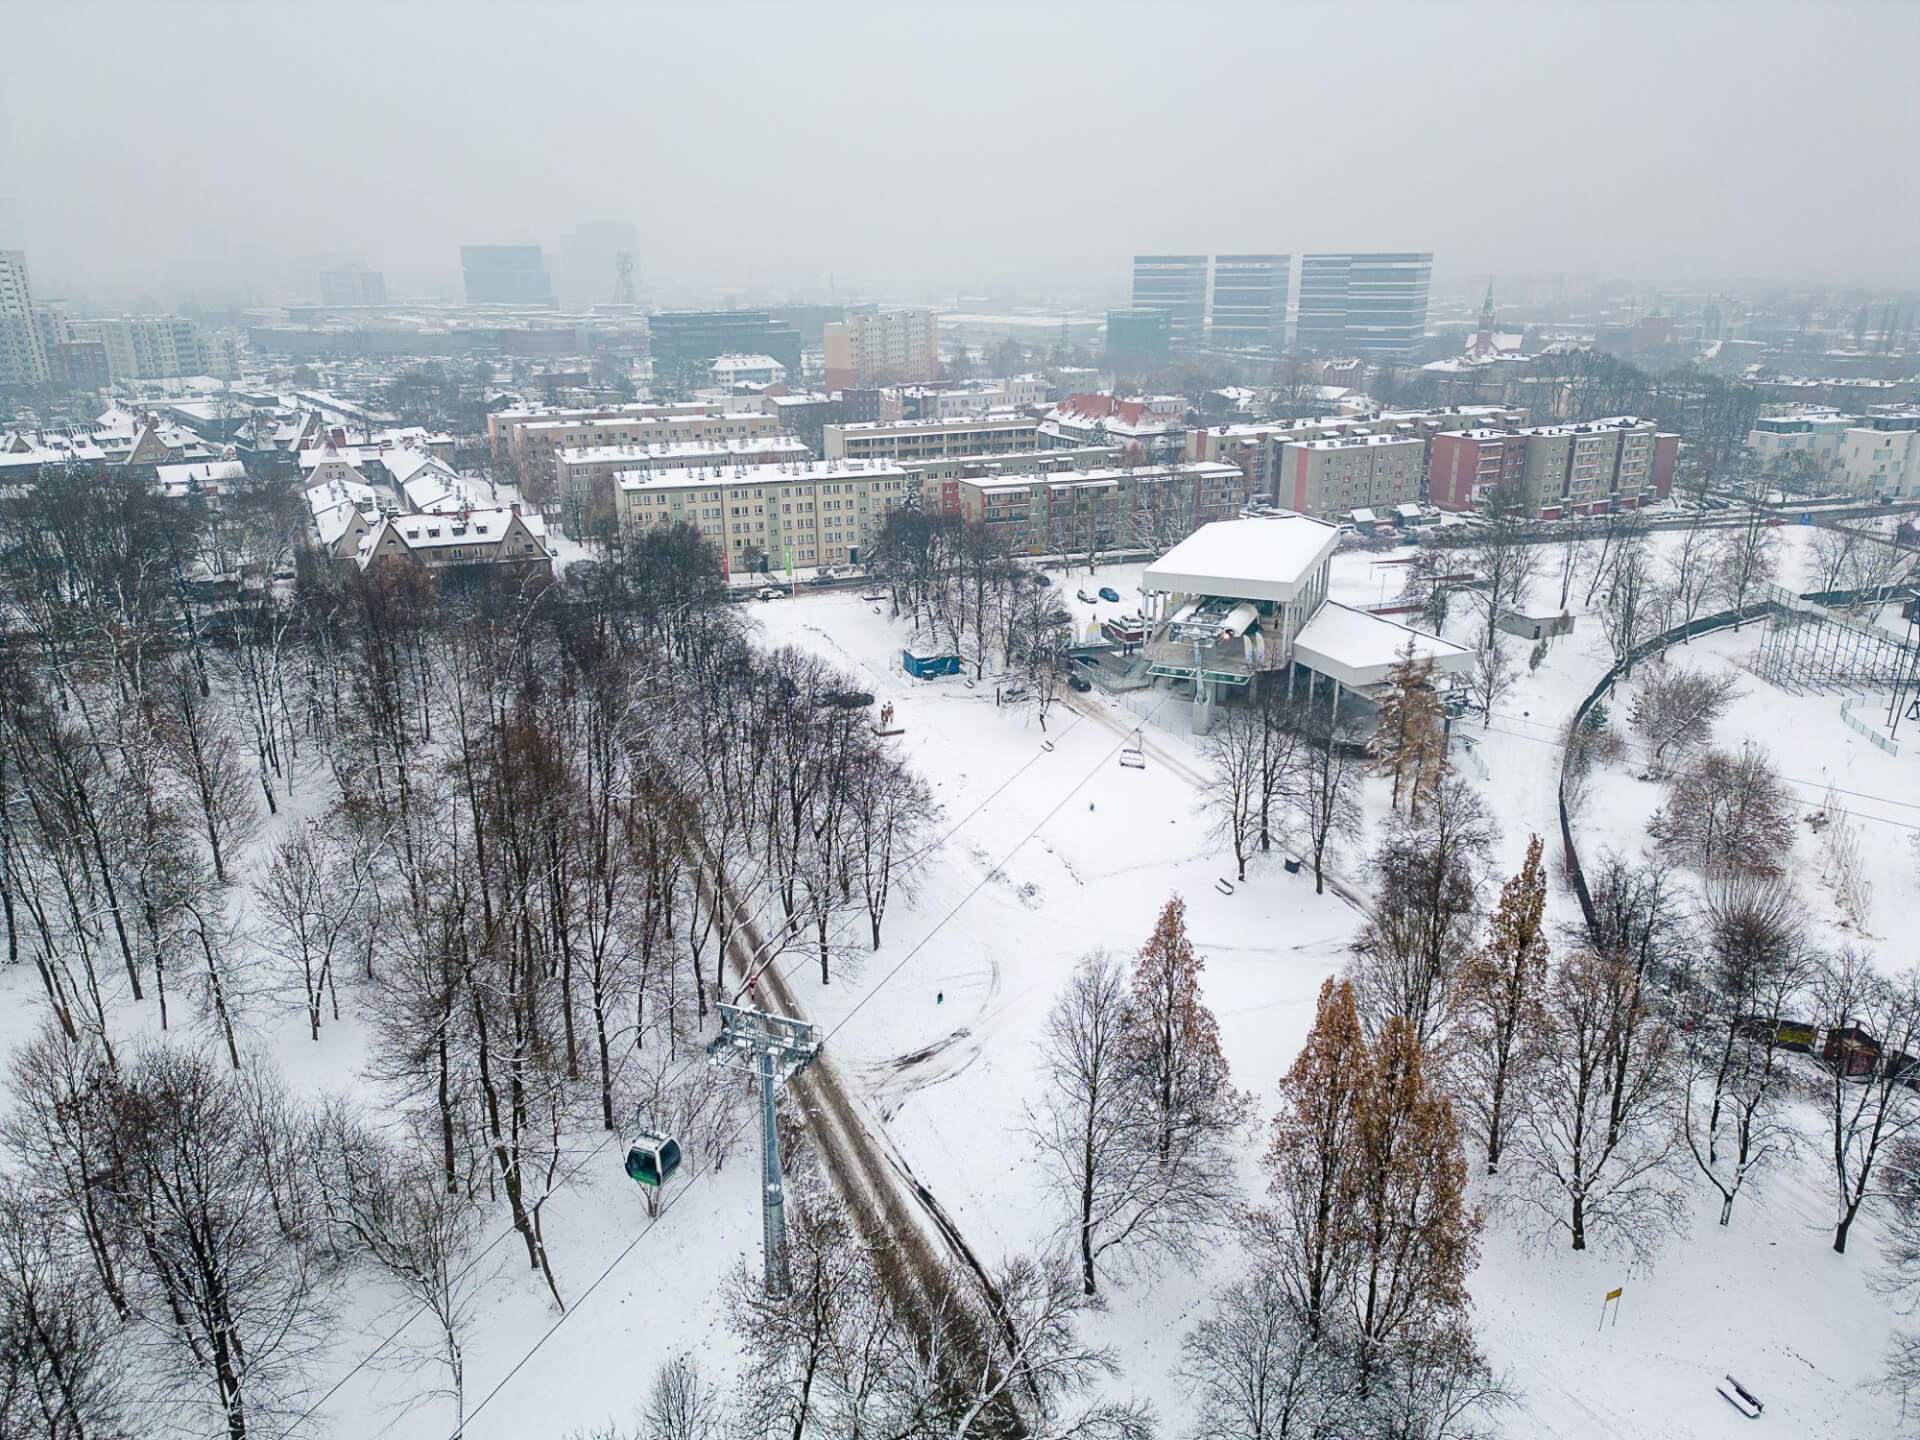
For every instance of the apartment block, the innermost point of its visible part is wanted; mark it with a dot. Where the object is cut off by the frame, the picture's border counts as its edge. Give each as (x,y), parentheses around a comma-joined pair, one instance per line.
(1079,511)
(23,352)
(939,480)
(348,286)
(823,512)
(882,347)
(506,437)
(1328,478)
(583,475)
(1465,467)
(1595,467)
(156,347)
(1176,284)
(1880,453)
(930,439)
(1814,432)
(542,440)
(1373,305)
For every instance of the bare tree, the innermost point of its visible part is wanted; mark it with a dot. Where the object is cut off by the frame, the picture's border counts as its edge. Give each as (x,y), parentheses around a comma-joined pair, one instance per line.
(682,1404)
(1329,784)
(1594,1143)
(1873,1032)
(1504,559)
(1233,792)
(1691,576)
(1674,712)
(1746,559)
(1257,1373)
(1490,678)
(1726,812)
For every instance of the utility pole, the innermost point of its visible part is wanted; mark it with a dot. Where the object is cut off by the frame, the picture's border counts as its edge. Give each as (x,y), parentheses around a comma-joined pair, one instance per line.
(774,1049)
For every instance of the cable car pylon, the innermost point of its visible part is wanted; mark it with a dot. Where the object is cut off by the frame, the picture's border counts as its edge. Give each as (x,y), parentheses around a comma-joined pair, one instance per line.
(775,1049)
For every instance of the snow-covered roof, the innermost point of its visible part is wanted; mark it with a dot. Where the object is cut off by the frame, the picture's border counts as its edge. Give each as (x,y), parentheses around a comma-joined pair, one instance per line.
(1268,558)
(206,473)
(1358,649)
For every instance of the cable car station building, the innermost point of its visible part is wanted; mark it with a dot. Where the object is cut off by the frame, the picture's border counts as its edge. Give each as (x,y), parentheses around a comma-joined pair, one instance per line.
(1243,603)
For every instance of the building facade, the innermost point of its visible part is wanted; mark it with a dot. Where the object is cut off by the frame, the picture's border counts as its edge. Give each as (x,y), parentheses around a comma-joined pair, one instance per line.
(1811,435)
(882,347)
(1248,310)
(1137,336)
(683,342)
(1328,478)
(1595,467)
(780,517)
(1176,284)
(1880,454)
(1078,512)
(23,351)
(505,275)
(931,439)
(1372,305)
(155,347)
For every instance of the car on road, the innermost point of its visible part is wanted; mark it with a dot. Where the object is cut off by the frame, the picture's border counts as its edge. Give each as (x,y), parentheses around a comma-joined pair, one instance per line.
(820,580)
(1107,592)
(1083,597)
(1080,683)
(772,592)
(1058,617)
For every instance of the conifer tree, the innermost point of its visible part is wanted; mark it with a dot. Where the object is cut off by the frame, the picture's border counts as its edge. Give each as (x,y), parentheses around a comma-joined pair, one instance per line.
(1500,1001)
(1413,1235)
(1312,1156)
(1408,742)
(1177,1052)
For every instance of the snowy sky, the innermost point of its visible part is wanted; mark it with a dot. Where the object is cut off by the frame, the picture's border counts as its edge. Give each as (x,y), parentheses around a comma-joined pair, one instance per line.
(924,149)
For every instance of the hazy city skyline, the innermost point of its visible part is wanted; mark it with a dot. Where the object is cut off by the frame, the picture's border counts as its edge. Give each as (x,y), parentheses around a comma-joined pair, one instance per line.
(1049,152)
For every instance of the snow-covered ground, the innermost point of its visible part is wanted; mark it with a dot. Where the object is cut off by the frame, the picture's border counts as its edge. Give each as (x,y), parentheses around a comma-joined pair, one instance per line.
(1052,849)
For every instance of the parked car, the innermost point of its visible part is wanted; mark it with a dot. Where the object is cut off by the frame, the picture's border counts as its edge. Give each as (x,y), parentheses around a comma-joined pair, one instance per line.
(1107,592)
(821,580)
(1058,617)
(772,592)
(1084,597)
(1079,682)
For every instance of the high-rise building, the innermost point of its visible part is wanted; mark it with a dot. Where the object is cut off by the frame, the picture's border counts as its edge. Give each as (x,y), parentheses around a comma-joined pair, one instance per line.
(154,347)
(350,285)
(1249,307)
(23,351)
(882,347)
(505,275)
(1176,284)
(1370,305)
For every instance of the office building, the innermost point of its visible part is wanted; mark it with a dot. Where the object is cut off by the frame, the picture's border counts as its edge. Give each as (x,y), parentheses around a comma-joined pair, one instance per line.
(1370,305)
(823,512)
(684,343)
(352,285)
(1176,284)
(882,347)
(1248,310)
(1880,453)
(1136,336)
(505,275)
(23,351)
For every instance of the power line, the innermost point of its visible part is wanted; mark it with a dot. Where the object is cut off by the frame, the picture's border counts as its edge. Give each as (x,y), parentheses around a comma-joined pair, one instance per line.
(921,944)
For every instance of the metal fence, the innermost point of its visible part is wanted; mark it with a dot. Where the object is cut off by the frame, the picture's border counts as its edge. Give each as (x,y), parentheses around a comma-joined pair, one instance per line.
(1892,747)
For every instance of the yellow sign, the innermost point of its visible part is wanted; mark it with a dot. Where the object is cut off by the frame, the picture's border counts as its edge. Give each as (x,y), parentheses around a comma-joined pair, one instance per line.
(1616,1294)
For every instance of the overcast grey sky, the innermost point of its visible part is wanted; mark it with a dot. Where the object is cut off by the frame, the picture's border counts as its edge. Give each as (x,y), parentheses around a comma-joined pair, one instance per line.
(929,147)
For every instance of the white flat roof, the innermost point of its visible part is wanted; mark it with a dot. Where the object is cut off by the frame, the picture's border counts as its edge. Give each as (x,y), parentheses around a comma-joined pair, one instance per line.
(1261,559)
(1358,649)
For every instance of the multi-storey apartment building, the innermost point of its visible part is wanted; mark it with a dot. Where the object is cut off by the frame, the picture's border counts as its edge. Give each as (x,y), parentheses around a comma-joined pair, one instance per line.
(822,512)
(1248,310)
(1593,467)
(505,437)
(1466,467)
(1083,511)
(939,480)
(541,441)
(931,439)
(1880,453)
(1815,432)
(23,351)
(1255,448)
(882,347)
(1328,478)
(1371,305)
(583,477)
(155,347)
(1176,284)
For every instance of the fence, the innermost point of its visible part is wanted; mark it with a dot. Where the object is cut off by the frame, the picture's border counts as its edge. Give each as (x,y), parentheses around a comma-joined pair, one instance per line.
(1892,747)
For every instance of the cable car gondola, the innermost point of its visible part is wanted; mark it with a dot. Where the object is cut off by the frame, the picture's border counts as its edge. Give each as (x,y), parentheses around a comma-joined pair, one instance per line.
(652,1158)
